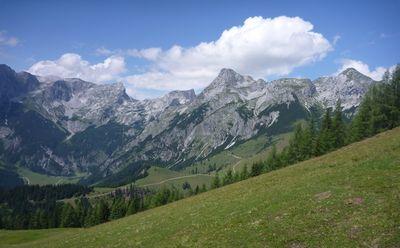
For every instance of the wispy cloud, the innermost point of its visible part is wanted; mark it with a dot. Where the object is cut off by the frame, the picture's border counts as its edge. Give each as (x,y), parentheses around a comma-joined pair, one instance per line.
(7,40)
(336,38)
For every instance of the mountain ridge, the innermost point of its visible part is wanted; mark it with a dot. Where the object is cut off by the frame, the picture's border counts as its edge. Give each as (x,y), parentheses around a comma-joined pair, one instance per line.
(121,133)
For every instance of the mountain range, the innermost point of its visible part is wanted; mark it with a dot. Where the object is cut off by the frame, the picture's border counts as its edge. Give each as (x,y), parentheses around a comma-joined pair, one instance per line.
(64,126)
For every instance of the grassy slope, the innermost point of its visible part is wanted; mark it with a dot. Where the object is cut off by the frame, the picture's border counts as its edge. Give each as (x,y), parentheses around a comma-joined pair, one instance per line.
(162,177)
(348,198)
(41,179)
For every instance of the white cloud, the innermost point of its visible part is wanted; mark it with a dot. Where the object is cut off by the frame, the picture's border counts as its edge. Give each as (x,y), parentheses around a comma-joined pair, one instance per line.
(6,40)
(336,38)
(104,51)
(72,65)
(260,47)
(362,67)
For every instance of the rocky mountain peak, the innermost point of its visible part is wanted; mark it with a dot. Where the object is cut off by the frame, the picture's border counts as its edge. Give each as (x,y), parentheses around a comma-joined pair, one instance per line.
(227,78)
(353,74)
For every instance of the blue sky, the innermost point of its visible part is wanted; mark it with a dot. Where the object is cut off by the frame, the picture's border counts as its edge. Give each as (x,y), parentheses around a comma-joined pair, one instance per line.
(157,46)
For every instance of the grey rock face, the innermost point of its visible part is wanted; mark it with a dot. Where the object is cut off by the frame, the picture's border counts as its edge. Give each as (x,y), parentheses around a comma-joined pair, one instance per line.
(101,127)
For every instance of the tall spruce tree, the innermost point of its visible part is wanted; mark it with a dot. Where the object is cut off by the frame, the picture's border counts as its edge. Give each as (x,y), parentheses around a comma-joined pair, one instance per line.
(273,161)
(360,126)
(296,145)
(338,126)
(325,137)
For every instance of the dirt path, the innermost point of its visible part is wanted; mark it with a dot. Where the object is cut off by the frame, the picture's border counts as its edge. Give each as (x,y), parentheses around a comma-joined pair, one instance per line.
(238,162)
(174,178)
(151,184)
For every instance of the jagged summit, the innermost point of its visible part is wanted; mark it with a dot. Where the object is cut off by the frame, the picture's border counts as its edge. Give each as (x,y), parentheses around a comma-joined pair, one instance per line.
(353,74)
(227,77)
(172,129)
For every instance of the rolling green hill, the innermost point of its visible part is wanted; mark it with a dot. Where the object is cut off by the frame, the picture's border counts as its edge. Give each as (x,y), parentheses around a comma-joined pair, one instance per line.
(348,198)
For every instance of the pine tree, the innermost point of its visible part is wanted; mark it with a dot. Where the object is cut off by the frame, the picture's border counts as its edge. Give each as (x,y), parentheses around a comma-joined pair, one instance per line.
(273,161)
(360,126)
(118,208)
(102,212)
(216,182)
(256,169)
(338,127)
(203,188)
(68,216)
(325,137)
(295,152)
(394,89)
(228,178)
(244,174)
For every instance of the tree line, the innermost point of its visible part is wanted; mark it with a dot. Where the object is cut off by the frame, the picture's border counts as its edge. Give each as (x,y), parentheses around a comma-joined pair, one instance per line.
(379,111)
(31,207)
(51,206)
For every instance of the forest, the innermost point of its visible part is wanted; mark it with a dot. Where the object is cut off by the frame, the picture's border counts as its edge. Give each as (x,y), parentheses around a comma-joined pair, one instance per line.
(33,207)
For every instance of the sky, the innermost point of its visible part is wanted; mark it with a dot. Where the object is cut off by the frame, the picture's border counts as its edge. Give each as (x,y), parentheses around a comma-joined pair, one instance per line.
(154,47)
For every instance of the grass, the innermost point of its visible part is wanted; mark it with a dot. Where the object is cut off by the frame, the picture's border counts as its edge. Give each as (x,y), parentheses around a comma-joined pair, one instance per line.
(159,177)
(246,153)
(33,178)
(348,198)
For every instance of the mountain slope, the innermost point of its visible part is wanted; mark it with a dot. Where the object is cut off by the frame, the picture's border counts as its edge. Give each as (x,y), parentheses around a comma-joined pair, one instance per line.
(65,127)
(348,198)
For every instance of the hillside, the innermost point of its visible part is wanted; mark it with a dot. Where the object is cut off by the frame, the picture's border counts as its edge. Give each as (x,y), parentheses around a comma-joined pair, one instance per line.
(348,198)
(63,130)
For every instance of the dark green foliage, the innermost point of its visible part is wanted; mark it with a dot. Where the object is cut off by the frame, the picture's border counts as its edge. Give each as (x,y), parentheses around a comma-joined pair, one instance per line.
(68,216)
(101,212)
(325,138)
(360,126)
(130,173)
(216,182)
(296,145)
(244,174)
(379,110)
(310,139)
(338,127)
(165,195)
(39,207)
(9,178)
(118,208)
(273,161)
(228,178)
(186,185)
(257,169)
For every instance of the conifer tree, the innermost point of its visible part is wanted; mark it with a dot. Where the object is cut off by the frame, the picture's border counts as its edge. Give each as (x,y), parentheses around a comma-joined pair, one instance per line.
(68,216)
(102,212)
(216,182)
(325,137)
(228,178)
(338,127)
(360,126)
(244,174)
(256,169)
(273,161)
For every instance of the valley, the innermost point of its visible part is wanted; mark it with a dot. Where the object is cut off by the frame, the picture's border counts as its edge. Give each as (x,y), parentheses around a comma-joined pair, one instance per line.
(345,198)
